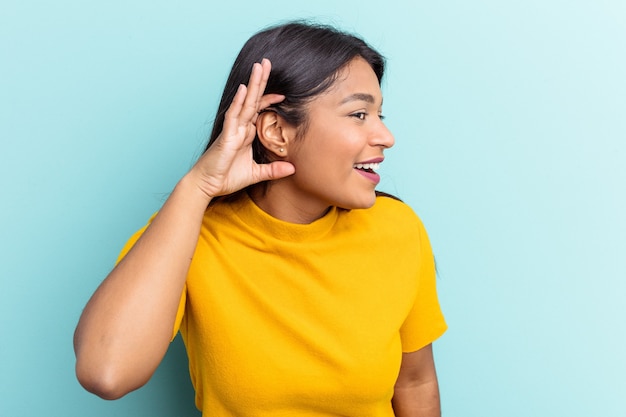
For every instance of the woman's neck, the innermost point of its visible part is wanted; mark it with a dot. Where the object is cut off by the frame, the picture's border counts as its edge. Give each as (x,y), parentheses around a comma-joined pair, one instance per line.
(280,200)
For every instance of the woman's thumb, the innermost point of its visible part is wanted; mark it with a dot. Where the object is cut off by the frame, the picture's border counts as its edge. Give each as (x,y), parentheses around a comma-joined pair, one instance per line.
(275,170)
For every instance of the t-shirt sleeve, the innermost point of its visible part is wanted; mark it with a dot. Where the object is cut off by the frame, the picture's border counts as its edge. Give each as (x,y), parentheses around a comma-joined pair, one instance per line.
(183,298)
(425,322)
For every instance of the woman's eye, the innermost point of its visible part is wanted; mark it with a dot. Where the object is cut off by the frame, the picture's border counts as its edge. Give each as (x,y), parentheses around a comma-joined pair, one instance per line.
(359,115)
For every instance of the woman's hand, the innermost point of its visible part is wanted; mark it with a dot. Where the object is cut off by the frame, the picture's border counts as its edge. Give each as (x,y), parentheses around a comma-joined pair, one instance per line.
(227,166)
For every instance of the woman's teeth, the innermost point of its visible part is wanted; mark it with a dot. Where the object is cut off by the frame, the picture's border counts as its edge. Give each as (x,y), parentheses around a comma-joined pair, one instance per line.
(373,167)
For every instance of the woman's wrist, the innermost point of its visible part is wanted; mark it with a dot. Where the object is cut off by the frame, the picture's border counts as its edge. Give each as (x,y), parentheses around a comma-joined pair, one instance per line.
(190,191)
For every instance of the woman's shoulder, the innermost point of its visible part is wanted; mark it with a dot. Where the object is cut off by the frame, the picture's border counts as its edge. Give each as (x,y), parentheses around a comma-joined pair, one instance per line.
(390,204)
(389,212)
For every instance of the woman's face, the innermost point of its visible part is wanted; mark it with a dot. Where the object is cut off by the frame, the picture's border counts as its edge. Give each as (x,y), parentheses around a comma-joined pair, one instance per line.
(343,144)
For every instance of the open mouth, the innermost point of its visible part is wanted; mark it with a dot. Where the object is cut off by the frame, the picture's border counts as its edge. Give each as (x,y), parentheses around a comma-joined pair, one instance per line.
(371,167)
(368,171)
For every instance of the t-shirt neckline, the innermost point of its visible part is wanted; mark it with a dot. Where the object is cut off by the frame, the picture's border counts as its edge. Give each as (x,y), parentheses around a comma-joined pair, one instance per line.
(251,214)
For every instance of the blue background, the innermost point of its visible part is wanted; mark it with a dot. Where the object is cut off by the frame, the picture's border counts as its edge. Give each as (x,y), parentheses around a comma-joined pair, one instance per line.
(510,130)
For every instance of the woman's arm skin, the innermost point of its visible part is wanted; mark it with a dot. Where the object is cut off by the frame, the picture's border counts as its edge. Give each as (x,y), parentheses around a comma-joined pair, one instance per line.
(416,393)
(125,329)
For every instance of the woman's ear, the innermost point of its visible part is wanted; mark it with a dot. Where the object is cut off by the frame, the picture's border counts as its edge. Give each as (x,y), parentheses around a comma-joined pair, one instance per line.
(274,133)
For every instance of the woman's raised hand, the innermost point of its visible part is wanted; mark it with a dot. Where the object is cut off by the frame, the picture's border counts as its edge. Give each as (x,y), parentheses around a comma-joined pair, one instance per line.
(227,166)
(117,353)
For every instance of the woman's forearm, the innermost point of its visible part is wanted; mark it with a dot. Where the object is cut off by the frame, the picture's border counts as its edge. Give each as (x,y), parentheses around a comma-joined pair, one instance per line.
(126,327)
(417,401)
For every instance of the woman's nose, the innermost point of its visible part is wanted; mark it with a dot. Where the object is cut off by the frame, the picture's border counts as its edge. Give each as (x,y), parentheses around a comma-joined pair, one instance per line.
(383,136)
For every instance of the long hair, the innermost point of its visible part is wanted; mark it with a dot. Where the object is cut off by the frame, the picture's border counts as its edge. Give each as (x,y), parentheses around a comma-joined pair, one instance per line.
(306,59)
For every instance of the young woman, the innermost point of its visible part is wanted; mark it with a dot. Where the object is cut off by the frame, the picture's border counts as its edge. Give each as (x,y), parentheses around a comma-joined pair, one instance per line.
(297,288)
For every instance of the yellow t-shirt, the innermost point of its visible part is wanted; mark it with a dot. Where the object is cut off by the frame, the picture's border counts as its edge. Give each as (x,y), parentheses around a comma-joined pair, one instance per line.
(283,319)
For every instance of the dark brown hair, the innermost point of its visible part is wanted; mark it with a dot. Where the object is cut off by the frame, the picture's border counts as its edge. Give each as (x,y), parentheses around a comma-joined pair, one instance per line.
(306,59)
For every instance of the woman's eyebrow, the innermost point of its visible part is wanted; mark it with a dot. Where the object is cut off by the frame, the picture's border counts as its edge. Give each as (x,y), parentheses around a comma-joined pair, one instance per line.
(359,97)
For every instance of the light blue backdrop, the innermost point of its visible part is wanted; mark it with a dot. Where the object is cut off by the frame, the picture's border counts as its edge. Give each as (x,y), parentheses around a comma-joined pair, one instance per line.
(510,121)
